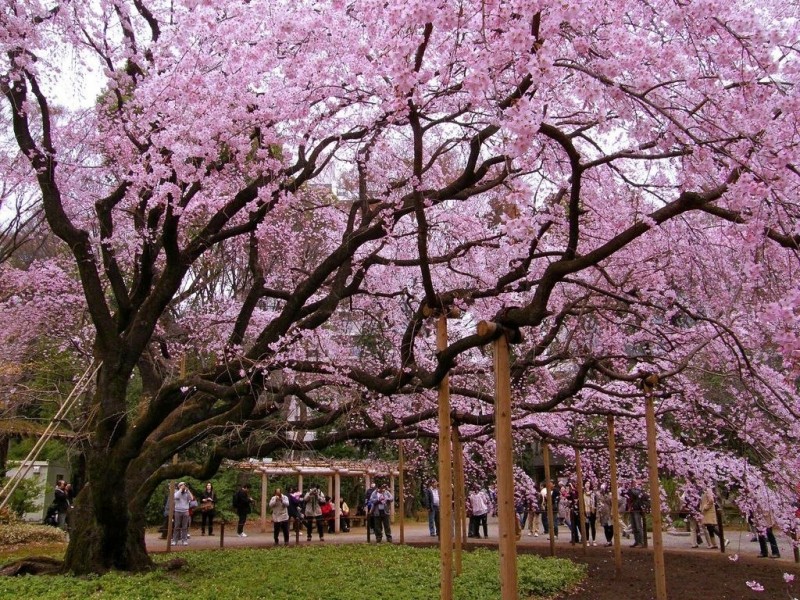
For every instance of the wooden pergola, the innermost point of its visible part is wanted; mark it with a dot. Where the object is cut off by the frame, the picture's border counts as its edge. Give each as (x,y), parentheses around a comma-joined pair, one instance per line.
(333,470)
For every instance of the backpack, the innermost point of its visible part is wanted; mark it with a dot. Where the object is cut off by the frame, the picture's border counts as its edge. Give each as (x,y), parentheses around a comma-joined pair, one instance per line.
(51,518)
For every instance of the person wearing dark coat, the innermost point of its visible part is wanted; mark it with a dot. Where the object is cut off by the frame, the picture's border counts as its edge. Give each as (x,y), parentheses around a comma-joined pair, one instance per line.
(431,502)
(242,503)
(61,502)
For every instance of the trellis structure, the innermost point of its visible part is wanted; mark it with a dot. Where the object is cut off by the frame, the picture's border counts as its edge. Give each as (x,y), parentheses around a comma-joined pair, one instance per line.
(334,470)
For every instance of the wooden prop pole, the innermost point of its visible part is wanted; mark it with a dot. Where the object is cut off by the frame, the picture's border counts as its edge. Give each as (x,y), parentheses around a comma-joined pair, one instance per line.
(170,513)
(459,499)
(171,498)
(505,475)
(393,492)
(445,474)
(402,493)
(171,506)
(459,466)
(367,517)
(264,496)
(549,488)
(581,508)
(655,494)
(337,506)
(612,456)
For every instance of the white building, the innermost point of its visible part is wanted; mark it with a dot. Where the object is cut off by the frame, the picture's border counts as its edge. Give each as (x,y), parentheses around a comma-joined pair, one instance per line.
(46,474)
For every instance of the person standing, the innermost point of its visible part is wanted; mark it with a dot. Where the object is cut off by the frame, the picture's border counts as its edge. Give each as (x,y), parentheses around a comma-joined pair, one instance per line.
(432,504)
(279,503)
(479,504)
(765,524)
(605,513)
(590,510)
(242,504)
(573,508)
(534,511)
(381,503)
(637,503)
(295,510)
(690,505)
(183,497)
(61,502)
(208,503)
(550,490)
(313,512)
(708,506)
(520,510)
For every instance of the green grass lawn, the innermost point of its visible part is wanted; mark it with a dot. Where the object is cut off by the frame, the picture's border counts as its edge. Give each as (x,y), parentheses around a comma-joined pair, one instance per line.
(335,572)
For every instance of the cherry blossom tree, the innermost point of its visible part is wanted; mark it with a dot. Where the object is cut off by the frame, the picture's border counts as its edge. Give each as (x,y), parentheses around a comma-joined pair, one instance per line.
(281,191)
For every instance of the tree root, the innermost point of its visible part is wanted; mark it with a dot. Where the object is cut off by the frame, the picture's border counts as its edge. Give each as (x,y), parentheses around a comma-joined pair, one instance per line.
(33,565)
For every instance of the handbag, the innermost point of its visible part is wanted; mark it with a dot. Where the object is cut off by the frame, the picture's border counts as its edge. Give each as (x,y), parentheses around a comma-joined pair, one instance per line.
(206,505)
(192,503)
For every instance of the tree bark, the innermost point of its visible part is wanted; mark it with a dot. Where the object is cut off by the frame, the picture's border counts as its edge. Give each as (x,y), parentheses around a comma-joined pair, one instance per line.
(114,541)
(105,533)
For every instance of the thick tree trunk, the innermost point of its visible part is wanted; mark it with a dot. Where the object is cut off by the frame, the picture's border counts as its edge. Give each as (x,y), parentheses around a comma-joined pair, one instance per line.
(104,533)
(4,443)
(113,541)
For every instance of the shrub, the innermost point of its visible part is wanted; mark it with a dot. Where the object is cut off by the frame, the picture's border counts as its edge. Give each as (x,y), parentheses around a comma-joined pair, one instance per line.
(23,499)
(19,532)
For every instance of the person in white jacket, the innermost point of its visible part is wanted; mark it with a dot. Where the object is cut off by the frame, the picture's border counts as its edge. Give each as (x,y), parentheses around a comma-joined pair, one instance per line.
(279,504)
(183,498)
(313,512)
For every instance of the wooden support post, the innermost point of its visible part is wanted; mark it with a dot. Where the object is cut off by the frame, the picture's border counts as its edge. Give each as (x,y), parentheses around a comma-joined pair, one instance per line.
(459,500)
(392,492)
(655,498)
(445,474)
(337,506)
(300,484)
(612,456)
(264,496)
(505,461)
(367,518)
(581,508)
(721,530)
(549,507)
(458,464)
(402,493)
(171,500)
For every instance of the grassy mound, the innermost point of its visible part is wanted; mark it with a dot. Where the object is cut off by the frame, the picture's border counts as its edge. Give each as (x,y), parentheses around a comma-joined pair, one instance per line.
(352,572)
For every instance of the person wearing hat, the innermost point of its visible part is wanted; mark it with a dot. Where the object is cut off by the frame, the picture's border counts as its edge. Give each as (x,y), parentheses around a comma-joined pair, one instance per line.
(181,515)
(381,502)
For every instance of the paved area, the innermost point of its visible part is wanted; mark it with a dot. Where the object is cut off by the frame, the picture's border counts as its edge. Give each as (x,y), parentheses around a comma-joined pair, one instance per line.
(417,533)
